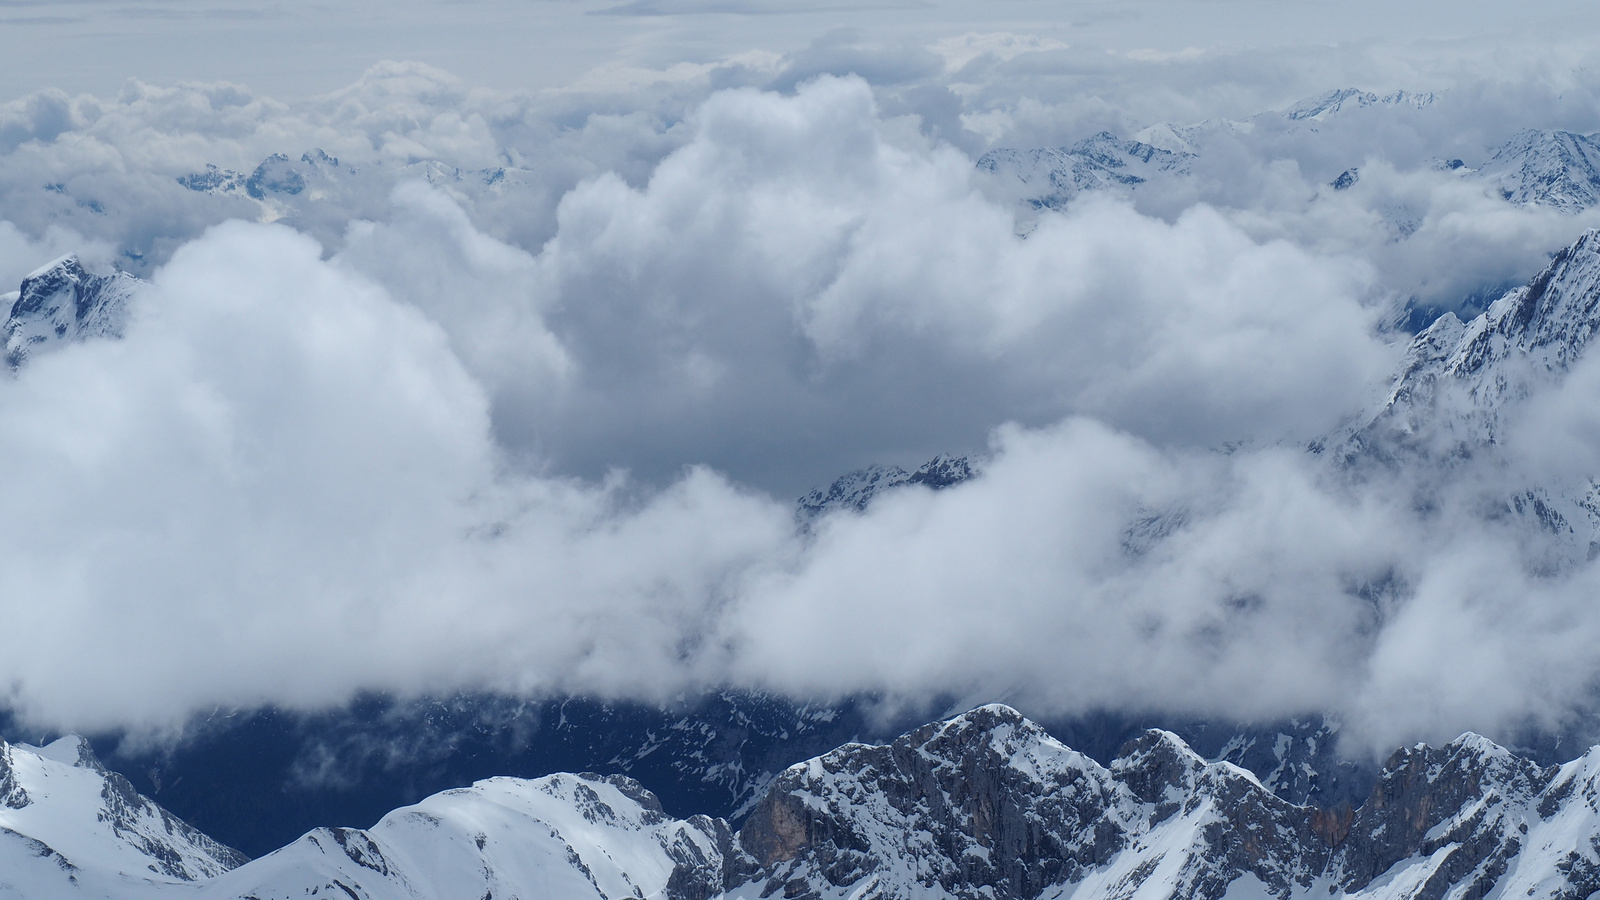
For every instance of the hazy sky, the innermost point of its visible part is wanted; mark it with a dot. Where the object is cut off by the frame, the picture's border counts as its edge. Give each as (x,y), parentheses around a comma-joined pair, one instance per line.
(295,48)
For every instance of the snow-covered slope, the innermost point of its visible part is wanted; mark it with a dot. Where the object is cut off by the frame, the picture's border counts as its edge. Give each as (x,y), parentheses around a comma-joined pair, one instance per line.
(982,805)
(69,828)
(854,491)
(1460,380)
(1462,384)
(1050,177)
(62,302)
(1547,168)
(562,836)
(1315,109)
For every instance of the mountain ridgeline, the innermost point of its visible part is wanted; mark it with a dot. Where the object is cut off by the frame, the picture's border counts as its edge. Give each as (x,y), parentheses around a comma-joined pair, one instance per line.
(985,804)
(1534,167)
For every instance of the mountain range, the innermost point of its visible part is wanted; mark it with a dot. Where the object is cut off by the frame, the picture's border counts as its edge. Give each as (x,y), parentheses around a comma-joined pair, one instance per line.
(985,804)
(1535,167)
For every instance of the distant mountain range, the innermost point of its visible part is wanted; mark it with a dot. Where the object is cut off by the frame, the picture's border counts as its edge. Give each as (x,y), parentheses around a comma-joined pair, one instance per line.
(1556,169)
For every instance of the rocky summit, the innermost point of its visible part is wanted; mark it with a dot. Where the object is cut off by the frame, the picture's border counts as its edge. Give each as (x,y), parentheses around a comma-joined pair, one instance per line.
(61,303)
(982,805)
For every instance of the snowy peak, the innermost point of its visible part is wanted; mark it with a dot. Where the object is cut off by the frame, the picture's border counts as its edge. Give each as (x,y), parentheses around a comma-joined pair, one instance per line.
(285,187)
(986,805)
(1053,176)
(858,489)
(65,822)
(1460,380)
(989,805)
(1547,168)
(981,805)
(61,303)
(1321,107)
(567,836)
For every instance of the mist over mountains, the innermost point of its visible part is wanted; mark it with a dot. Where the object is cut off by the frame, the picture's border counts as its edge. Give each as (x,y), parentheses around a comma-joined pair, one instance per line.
(688,426)
(745,307)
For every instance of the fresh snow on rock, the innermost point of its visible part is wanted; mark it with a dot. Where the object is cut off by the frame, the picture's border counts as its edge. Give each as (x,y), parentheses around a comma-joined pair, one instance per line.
(287,188)
(981,805)
(61,303)
(1462,383)
(856,490)
(1555,169)
(1547,168)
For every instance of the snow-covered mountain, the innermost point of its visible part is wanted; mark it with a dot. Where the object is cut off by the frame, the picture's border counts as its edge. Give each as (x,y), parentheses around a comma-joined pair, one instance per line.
(1547,168)
(982,805)
(1556,169)
(70,828)
(258,779)
(855,490)
(1462,385)
(1315,109)
(562,836)
(283,187)
(1052,176)
(62,302)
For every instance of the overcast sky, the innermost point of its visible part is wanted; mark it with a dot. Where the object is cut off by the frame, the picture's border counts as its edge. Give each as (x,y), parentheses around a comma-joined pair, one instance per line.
(519,392)
(295,48)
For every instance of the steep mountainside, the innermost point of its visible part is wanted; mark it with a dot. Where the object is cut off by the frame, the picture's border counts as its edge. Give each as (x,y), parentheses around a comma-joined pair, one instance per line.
(260,779)
(67,824)
(1462,385)
(1547,168)
(62,302)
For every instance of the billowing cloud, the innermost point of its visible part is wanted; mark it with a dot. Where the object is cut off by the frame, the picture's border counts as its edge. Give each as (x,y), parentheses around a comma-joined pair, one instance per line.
(513,396)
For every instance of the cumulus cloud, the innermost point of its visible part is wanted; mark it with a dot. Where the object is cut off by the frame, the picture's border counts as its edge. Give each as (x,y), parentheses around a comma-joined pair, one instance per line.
(439,429)
(803,285)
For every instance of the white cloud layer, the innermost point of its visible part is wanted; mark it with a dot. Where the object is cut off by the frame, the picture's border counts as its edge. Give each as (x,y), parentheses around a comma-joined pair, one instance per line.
(438,429)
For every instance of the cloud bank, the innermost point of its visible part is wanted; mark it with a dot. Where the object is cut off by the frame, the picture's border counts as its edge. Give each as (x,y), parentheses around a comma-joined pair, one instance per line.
(424,432)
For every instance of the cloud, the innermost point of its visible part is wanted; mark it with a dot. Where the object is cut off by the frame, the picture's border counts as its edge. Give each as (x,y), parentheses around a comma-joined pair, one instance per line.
(802,273)
(439,430)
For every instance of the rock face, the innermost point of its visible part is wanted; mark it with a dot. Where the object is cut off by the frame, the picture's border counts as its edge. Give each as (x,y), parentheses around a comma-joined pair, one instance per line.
(987,805)
(63,302)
